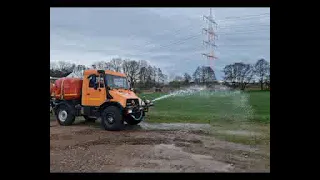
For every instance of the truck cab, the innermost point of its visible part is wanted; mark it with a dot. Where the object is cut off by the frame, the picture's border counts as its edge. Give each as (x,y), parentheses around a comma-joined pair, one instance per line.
(100,94)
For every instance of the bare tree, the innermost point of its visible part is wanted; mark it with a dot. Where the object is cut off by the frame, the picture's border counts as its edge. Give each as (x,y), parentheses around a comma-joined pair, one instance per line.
(101,65)
(208,73)
(262,69)
(178,78)
(165,78)
(143,74)
(131,69)
(204,74)
(197,75)
(78,70)
(65,66)
(159,76)
(239,74)
(116,64)
(141,71)
(53,65)
(187,78)
(229,74)
(143,63)
(267,81)
(151,73)
(61,69)
(154,73)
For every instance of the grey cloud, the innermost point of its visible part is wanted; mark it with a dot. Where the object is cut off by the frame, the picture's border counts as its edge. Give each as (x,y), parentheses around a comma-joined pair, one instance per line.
(159,35)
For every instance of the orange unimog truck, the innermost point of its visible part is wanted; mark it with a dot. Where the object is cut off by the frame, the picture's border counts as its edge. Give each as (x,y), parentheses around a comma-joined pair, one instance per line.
(99,94)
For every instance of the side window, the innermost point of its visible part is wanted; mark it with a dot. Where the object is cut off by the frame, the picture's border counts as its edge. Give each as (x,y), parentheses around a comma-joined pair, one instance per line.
(92,81)
(101,82)
(96,81)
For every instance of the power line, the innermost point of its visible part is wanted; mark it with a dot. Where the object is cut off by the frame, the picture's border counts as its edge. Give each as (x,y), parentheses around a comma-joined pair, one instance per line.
(233,17)
(179,30)
(152,42)
(211,38)
(180,41)
(194,37)
(252,15)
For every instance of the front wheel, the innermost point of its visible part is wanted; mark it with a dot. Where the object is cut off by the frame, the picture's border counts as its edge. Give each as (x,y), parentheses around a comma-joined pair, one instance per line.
(111,119)
(64,116)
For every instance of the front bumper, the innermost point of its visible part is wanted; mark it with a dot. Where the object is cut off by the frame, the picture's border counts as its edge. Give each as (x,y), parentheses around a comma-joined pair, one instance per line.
(135,109)
(137,112)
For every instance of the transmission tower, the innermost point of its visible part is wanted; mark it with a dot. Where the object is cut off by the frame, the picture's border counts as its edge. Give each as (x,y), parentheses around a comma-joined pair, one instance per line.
(211,37)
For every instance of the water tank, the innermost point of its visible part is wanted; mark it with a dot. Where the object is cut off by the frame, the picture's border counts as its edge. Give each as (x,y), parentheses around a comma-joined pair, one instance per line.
(68,88)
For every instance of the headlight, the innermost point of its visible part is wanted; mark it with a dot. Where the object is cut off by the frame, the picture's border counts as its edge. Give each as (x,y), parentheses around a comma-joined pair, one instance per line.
(132,102)
(129,111)
(147,101)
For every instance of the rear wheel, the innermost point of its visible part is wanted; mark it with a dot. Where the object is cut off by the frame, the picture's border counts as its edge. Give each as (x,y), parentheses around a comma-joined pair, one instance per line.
(89,119)
(111,119)
(64,116)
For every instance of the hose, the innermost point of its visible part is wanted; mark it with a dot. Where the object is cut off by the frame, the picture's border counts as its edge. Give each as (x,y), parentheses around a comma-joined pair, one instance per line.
(137,119)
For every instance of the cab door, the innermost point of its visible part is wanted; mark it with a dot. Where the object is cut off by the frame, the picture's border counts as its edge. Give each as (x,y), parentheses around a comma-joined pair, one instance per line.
(94,92)
(102,88)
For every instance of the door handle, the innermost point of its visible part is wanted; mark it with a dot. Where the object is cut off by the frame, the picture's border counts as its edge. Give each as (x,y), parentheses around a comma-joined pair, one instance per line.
(99,89)
(88,93)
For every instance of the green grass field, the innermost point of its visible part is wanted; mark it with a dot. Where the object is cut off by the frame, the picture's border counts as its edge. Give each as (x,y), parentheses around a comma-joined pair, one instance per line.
(216,107)
(247,111)
(236,113)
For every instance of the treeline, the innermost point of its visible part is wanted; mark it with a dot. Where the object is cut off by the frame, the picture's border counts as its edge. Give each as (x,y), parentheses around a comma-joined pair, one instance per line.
(202,75)
(144,76)
(139,73)
(239,75)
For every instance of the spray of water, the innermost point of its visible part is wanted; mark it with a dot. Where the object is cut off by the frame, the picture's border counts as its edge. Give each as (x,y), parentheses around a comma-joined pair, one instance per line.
(182,92)
(233,105)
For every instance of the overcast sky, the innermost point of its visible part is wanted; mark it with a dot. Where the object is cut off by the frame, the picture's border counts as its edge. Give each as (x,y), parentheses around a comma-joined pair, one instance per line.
(169,38)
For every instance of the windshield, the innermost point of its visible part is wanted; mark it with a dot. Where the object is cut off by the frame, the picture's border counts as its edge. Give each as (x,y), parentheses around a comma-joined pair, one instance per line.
(117,82)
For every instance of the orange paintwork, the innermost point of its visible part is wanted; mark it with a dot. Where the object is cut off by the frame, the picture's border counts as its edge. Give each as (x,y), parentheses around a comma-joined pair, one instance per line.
(91,97)
(68,88)
(122,95)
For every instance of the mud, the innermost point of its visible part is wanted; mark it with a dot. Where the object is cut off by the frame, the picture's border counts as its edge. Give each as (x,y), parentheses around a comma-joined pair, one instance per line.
(174,126)
(150,148)
(240,133)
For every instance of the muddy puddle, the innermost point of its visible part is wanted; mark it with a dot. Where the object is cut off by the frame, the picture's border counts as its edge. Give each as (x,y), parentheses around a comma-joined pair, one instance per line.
(200,128)
(150,147)
(174,126)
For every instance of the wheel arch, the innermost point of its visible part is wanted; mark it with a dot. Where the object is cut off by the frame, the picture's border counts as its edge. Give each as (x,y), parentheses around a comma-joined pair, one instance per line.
(65,103)
(106,104)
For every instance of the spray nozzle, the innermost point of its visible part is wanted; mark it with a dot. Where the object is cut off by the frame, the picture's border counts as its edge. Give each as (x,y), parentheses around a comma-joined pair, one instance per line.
(148,102)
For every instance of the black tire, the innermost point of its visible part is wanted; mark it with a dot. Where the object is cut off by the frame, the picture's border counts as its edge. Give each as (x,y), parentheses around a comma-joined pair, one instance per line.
(131,121)
(64,115)
(89,119)
(111,119)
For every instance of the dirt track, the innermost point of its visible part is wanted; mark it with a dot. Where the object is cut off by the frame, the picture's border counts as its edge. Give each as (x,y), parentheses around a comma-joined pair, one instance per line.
(87,148)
